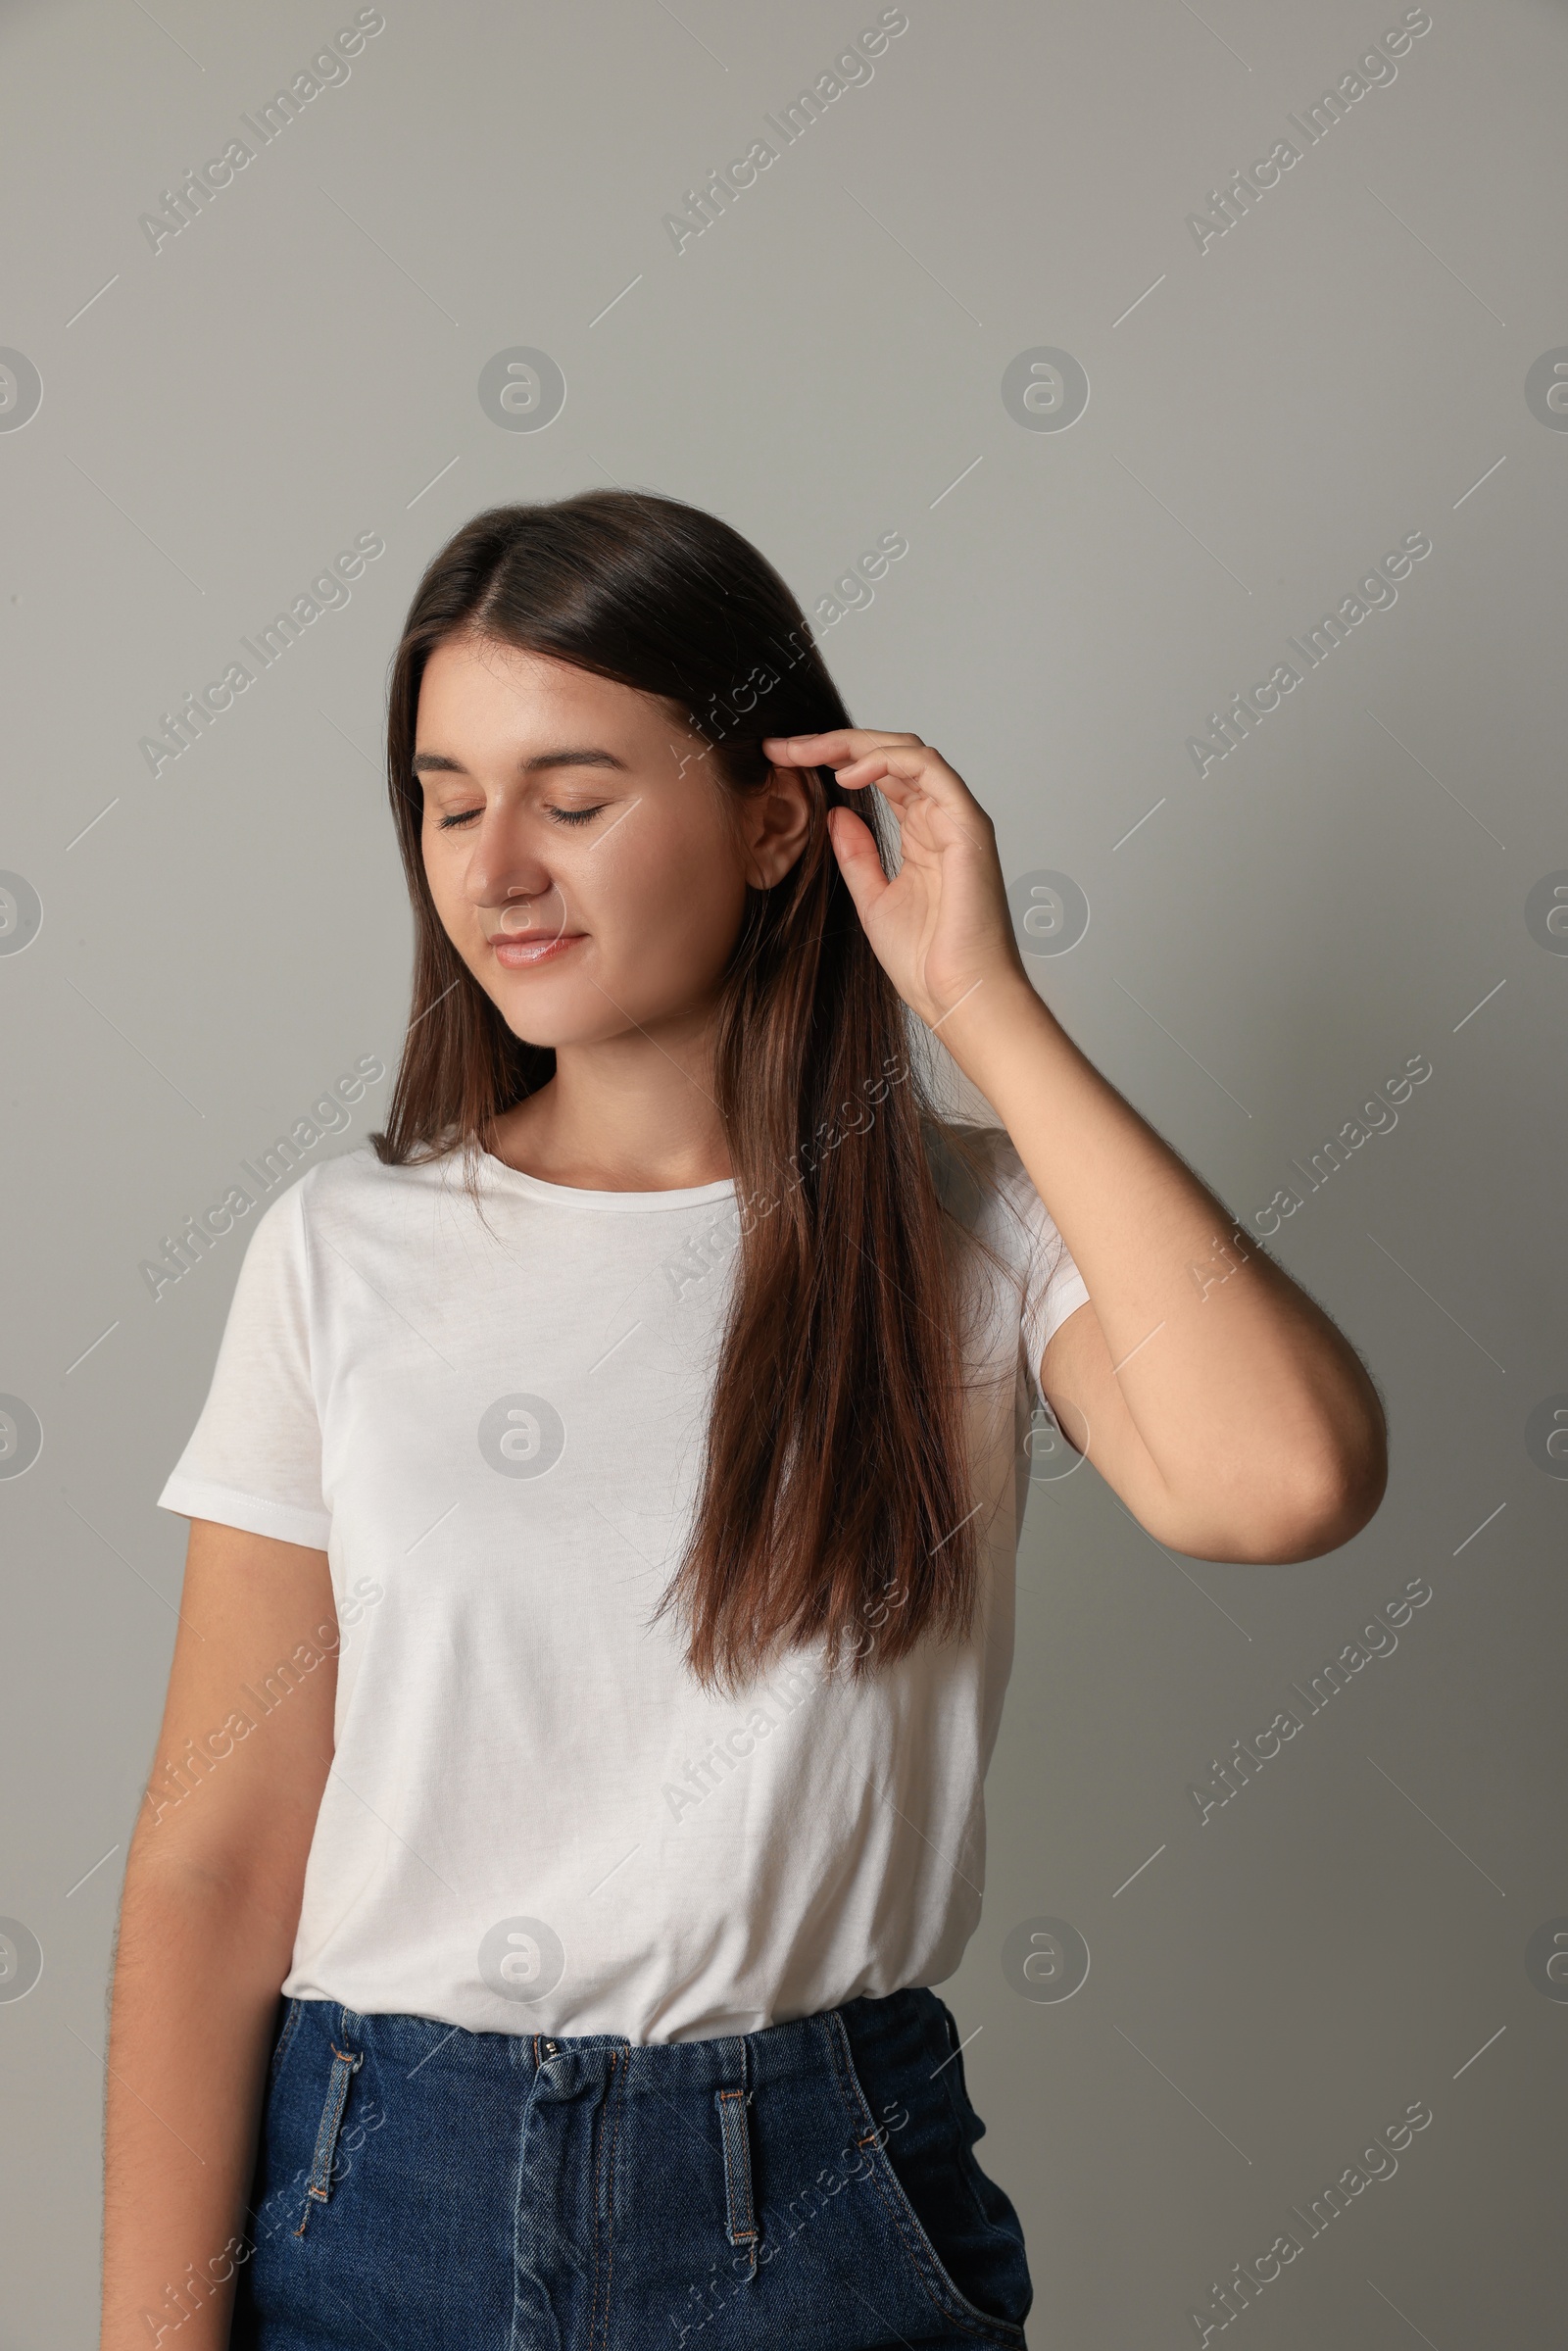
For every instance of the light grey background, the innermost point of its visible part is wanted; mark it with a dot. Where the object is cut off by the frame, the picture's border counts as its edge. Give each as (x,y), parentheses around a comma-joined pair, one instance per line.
(1267,416)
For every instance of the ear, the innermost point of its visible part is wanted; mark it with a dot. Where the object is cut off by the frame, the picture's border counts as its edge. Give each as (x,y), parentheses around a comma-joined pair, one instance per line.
(777,824)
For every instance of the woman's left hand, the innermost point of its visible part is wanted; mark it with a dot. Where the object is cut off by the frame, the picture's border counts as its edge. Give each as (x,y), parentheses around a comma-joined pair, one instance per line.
(941,927)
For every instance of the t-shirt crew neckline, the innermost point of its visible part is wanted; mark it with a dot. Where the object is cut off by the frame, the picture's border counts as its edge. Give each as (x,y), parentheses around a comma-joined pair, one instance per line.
(579,1195)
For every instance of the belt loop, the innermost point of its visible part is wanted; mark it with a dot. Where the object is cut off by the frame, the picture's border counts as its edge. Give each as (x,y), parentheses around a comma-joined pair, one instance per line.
(739,2207)
(346,2063)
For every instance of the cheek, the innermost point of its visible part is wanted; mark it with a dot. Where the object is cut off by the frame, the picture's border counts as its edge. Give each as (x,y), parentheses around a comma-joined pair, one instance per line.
(443,879)
(664,887)
(432,861)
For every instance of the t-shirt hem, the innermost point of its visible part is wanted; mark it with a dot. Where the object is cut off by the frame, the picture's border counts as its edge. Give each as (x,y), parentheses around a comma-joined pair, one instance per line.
(252,1513)
(303,1982)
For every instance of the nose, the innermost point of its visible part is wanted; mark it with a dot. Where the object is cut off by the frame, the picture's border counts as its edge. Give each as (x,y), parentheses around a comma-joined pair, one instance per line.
(506,874)
(516,897)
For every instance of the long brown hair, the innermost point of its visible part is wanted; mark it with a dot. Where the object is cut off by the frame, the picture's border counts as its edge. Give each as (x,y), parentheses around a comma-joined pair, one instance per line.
(835,1502)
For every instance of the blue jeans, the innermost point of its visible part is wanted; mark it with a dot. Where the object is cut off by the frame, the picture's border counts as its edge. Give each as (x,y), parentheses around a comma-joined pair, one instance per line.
(813,2185)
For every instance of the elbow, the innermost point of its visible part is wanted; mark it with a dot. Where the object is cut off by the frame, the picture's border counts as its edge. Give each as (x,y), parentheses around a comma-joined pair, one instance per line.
(1272,1496)
(1321,1500)
(1307,1501)
(1331,1514)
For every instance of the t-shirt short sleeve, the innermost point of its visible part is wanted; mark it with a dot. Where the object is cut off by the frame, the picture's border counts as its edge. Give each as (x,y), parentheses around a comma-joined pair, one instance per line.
(1052,1288)
(253,1459)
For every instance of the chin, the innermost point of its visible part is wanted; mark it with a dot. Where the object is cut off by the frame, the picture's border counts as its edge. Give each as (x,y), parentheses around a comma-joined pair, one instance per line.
(552,1028)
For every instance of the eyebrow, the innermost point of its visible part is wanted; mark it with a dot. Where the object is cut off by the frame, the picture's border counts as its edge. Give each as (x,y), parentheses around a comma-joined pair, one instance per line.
(436,761)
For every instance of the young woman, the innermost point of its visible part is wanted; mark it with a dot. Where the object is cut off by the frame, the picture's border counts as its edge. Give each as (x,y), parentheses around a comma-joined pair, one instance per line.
(603,1514)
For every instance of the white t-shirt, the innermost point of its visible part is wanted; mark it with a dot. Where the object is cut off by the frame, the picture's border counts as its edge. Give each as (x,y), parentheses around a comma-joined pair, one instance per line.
(536,1819)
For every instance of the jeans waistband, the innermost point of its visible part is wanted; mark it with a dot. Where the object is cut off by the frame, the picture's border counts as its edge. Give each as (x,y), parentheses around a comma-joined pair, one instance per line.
(772,2053)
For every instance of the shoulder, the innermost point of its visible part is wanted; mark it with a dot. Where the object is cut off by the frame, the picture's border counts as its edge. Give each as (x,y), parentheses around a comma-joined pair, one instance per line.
(352,1188)
(359,1179)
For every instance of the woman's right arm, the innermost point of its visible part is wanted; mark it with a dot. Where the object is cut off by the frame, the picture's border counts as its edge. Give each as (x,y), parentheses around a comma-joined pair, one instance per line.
(212,1899)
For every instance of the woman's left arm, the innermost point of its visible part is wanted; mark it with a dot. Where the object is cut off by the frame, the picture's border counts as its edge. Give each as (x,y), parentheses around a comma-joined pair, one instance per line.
(1213,1396)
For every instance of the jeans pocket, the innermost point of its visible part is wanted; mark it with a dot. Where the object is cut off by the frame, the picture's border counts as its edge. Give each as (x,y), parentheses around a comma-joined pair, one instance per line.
(992,2202)
(286,2035)
(965,2248)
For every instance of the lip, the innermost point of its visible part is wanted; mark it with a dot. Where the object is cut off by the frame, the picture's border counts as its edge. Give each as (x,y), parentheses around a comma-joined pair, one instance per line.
(523,955)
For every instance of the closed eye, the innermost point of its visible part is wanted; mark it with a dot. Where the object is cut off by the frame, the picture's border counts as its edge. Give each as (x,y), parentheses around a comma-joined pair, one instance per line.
(560,816)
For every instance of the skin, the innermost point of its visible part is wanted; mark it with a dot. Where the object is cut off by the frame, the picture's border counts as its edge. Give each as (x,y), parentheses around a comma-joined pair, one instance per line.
(1217,1401)
(651,887)
(213,1882)
(1221,1405)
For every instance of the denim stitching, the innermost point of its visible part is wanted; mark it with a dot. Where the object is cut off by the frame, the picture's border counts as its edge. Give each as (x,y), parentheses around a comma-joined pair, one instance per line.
(346,2064)
(609,2118)
(922,2254)
(296,2009)
(959,2099)
(731,2105)
(519,2195)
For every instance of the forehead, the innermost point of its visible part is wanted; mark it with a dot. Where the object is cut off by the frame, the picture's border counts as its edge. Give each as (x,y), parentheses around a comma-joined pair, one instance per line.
(479,687)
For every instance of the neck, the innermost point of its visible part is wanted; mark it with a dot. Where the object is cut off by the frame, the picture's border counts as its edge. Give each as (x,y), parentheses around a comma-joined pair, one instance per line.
(635,1114)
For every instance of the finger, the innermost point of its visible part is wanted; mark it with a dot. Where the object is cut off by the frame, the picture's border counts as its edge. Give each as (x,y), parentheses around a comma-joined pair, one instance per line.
(855,850)
(907,772)
(830,750)
(860,756)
